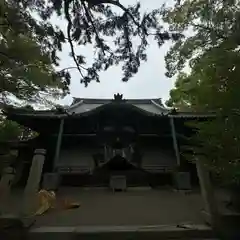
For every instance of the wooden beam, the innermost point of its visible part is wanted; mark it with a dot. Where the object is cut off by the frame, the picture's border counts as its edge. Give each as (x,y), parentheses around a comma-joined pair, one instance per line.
(94,134)
(175,143)
(59,141)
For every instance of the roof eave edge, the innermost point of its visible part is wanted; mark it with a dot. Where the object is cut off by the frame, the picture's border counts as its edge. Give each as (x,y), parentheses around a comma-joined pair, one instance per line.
(75,105)
(191,116)
(159,106)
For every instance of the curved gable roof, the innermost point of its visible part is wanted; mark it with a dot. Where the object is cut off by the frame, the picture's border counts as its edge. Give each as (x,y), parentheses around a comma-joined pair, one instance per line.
(151,106)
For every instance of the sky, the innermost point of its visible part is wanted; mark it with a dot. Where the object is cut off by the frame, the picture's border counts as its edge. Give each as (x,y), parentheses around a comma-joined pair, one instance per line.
(149,82)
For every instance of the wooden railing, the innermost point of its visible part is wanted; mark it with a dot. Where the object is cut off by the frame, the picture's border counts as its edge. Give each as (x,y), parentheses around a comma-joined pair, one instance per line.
(158,168)
(74,169)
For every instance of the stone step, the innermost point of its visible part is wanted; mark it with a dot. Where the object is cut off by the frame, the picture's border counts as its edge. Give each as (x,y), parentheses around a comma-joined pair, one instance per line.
(122,232)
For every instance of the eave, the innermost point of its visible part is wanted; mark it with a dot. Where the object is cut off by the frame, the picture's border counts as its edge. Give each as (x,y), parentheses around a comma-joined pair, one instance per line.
(49,120)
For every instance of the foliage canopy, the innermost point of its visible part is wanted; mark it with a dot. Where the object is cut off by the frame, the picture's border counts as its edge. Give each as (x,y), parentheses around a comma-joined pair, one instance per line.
(29,43)
(26,64)
(92,22)
(212,53)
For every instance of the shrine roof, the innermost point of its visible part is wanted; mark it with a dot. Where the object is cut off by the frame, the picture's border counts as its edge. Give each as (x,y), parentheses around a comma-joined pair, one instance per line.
(82,108)
(148,106)
(87,106)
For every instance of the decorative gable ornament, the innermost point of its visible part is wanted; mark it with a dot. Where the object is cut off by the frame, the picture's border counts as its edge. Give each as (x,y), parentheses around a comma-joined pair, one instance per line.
(118,98)
(173,111)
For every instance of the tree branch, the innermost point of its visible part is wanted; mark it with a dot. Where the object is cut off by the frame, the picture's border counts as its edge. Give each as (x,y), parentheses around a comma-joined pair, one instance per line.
(7,56)
(117,4)
(126,34)
(90,18)
(220,35)
(69,27)
(67,68)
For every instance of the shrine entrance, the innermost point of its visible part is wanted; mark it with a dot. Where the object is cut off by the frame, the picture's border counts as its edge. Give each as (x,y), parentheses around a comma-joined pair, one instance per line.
(126,143)
(117,134)
(95,139)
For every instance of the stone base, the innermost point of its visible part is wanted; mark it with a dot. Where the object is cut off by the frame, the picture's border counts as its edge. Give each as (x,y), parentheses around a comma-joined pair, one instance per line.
(118,182)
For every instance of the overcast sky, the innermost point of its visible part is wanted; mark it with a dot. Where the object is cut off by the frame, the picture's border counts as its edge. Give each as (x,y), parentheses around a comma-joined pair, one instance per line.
(149,82)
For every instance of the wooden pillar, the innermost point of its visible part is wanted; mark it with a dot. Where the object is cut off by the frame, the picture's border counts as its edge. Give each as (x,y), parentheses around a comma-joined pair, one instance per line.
(105,153)
(174,137)
(58,145)
(210,206)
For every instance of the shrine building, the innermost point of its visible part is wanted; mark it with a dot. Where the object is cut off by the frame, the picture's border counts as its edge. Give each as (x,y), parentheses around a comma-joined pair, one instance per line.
(94,139)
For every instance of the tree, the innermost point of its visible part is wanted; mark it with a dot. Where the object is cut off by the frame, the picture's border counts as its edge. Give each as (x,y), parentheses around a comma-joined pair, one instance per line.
(29,43)
(88,22)
(26,64)
(217,140)
(206,24)
(9,131)
(12,131)
(179,96)
(212,83)
(92,22)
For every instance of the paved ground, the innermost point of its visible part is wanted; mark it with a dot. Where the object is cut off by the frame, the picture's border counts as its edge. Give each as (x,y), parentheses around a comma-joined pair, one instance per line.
(101,207)
(134,207)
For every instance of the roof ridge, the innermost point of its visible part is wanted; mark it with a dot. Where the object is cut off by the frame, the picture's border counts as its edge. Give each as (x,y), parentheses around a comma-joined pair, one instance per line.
(107,100)
(79,98)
